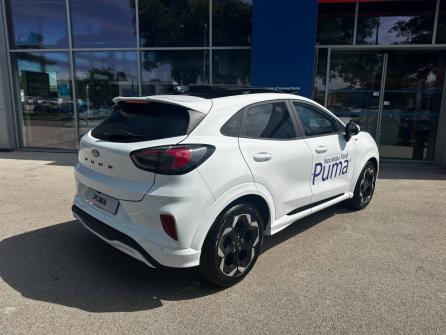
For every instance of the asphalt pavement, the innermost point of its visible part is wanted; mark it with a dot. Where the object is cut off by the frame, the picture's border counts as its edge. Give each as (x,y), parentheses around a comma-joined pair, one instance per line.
(378,271)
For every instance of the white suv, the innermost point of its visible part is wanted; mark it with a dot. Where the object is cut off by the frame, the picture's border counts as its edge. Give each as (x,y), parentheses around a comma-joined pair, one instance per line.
(197,180)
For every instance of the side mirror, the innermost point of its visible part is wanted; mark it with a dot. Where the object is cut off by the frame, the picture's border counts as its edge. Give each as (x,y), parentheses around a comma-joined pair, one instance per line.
(351,129)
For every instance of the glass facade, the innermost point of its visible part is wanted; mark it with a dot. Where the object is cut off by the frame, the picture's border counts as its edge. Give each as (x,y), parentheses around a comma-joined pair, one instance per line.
(335,23)
(411,104)
(37,24)
(231,67)
(441,27)
(174,23)
(380,63)
(95,50)
(164,69)
(101,76)
(396,22)
(113,26)
(45,93)
(368,71)
(320,77)
(354,87)
(231,22)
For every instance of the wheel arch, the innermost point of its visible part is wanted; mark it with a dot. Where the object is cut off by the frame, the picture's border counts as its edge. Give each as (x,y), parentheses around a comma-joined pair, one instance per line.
(374,160)
(371,156)
(251,195)
(258,201)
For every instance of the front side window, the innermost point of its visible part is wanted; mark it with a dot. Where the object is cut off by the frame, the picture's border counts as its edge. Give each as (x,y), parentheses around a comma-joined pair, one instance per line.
(270,120)
(315,122)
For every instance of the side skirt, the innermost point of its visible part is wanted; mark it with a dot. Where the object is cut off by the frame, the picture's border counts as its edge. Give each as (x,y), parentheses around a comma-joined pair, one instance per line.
(293,216)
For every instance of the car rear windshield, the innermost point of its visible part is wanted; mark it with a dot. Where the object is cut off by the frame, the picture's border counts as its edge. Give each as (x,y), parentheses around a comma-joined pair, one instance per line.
(143,121)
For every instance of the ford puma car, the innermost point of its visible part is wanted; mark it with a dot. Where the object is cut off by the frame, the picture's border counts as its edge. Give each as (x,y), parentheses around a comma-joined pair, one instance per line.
(197,180)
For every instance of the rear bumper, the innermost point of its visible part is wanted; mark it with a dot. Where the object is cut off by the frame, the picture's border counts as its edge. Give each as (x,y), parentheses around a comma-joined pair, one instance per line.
(114,237)
(132,243)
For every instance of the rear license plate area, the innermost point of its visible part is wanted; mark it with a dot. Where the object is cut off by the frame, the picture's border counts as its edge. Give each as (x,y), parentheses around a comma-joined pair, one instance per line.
(102,201)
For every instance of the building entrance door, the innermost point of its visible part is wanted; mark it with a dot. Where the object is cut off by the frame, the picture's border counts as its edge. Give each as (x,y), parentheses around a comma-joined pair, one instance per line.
(411,104)
(393,95)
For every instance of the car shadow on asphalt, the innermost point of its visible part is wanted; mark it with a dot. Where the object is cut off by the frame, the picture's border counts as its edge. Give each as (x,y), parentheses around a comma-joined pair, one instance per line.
(67,265)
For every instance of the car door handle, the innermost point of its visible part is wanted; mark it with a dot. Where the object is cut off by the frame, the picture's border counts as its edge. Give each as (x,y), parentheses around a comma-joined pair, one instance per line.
(262,156)
(321,149)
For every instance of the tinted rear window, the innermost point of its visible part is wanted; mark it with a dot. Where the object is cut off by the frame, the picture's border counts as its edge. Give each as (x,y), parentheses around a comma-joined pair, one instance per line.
(135,122)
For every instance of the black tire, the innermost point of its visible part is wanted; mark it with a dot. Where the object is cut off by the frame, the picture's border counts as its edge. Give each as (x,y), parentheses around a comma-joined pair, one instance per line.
(232,245)
(365,186)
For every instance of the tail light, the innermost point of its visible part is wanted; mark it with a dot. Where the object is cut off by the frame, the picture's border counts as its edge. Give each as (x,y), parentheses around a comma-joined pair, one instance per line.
(173,159)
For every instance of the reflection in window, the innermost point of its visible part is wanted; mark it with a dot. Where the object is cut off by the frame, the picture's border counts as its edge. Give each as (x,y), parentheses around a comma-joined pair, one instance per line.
(163,70)
(174,23)
(46,102)
(441,29)
(314,121)
(112,26)
(354,87)
(101,76)
(412,101)
(231,67)
(397,22)
(37,24)
(270,120)
(320,76)
(335,23)
(231,22)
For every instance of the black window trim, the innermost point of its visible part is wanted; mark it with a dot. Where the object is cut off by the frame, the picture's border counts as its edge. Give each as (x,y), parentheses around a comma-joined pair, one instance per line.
(296,126)
(340,131)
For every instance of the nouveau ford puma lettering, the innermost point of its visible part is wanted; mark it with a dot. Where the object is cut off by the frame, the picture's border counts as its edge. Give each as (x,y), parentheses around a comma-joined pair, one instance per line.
(197,179)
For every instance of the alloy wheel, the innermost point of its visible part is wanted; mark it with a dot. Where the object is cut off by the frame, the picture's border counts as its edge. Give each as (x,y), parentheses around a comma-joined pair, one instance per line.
(367,185)
(237,245)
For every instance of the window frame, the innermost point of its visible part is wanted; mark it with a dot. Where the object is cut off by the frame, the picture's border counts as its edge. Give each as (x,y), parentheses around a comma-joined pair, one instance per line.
(295,122)
(339,125)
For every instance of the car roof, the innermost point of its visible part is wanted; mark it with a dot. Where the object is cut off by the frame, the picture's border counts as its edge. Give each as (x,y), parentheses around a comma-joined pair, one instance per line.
(203,97)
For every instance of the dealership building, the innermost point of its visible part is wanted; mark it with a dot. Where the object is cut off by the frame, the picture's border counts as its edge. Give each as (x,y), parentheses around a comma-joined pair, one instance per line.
(379,63)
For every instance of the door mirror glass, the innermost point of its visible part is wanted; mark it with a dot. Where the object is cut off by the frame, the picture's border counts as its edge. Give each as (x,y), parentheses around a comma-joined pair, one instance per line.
(351,129)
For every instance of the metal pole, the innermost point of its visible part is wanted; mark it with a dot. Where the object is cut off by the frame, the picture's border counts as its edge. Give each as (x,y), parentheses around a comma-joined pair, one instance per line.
(138,48)
(355,26)
(211,79)
(437,11)
(72,71)
(381,97)
(327,76)
(14,102)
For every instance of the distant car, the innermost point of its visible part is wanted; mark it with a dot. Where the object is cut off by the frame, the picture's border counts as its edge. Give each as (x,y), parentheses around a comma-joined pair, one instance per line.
(198,180)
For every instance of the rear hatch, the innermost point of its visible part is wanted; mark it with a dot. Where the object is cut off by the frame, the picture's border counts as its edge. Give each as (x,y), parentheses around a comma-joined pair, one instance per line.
(104,154)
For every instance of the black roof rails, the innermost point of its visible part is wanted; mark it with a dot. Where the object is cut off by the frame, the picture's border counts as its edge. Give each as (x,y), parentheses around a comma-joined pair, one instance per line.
(218,91)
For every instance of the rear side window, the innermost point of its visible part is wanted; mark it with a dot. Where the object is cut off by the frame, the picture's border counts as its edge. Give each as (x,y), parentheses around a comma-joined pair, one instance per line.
(232,127)
(144,121)
(314,121)
(269,120)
